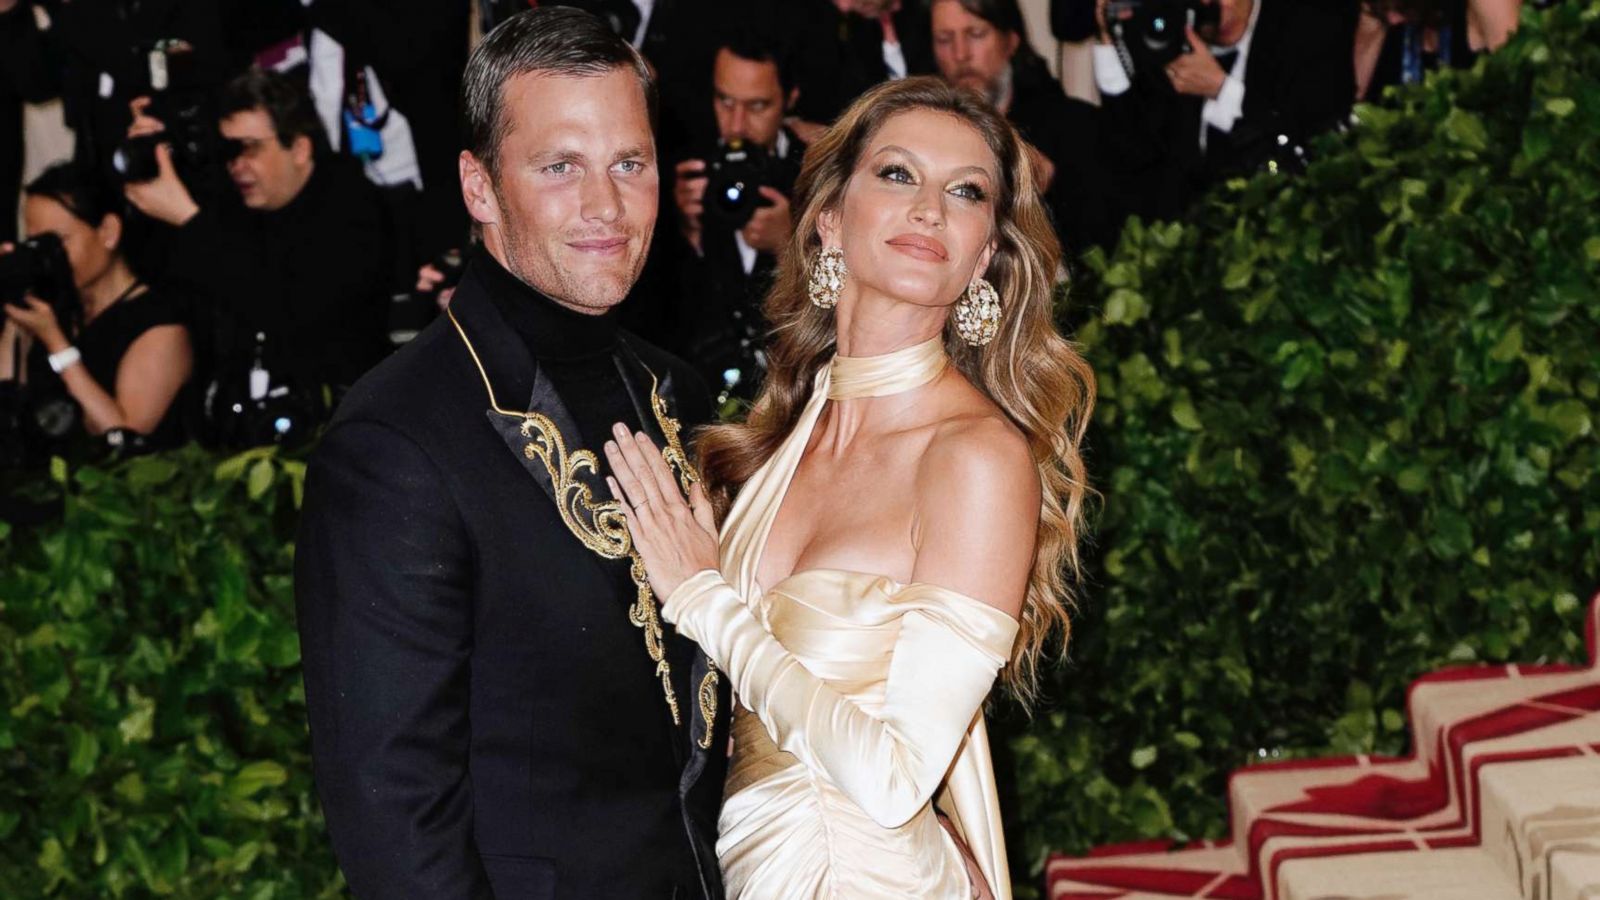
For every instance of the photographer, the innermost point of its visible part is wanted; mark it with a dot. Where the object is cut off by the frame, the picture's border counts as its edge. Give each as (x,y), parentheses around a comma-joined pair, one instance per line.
(1185,106)
(96,56)
(733,210)
(982,45)
(293,285)
(125,365)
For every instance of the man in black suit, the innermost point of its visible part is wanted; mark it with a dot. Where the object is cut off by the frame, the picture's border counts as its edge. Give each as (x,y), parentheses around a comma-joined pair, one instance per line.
(728,252)
(1268,77)
(495,708)
(843,47)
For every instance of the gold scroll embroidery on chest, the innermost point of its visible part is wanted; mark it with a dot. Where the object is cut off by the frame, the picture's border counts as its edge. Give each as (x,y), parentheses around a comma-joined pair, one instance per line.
(603,529)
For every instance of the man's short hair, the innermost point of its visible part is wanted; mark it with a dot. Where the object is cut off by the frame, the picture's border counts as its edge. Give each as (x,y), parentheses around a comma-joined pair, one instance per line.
(755,44)
(553,39)
(285,103)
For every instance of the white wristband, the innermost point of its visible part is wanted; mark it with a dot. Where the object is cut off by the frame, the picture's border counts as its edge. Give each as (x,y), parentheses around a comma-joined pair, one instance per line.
(66,359)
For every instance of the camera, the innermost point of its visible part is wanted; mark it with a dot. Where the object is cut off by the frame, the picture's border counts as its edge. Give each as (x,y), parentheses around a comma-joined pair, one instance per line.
(1150,33)
(166,72)
(39,266)
(37,417)
(735,175)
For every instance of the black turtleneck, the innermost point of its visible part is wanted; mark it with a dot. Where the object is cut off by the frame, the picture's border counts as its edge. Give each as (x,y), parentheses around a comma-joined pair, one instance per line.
(576,351)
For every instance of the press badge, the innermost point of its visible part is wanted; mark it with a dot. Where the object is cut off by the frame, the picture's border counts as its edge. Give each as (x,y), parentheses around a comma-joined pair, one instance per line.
(364,140)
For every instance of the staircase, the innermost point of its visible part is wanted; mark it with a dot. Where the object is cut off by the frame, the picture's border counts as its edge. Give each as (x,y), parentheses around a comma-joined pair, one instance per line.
(1500,800)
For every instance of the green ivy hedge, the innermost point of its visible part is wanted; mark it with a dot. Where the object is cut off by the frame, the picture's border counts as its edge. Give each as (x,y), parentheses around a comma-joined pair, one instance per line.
(1346,436)
(152,719)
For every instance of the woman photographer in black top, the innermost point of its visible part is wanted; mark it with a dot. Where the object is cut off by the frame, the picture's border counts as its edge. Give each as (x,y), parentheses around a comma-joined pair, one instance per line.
(127,363)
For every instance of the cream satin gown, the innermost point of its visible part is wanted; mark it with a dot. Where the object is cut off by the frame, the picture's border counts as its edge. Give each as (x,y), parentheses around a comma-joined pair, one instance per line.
(860,700)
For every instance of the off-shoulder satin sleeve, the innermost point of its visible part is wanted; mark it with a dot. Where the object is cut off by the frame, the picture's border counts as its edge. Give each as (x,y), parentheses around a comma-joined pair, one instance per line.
(944,662)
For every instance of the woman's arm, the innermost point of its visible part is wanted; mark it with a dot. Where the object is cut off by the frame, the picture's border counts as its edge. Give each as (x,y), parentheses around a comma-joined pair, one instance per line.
(975,539)
(13,353)
(1491,22)
(148,379)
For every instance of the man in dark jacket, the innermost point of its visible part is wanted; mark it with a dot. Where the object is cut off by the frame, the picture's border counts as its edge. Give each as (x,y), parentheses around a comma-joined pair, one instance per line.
(96,56)
(729,249)
(1271,75)
(496,708)
(843,47)
(290,284)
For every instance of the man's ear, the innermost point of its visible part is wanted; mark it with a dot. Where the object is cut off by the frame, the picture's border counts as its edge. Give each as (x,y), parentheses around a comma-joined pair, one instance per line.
(477,190)
(791,100)
(1013,41)
(301,149)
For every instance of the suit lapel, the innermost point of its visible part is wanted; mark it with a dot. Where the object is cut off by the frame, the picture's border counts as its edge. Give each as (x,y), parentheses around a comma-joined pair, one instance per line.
(536,434)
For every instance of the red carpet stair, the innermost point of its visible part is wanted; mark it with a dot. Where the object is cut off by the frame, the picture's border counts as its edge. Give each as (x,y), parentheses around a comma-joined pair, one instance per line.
(1499,801)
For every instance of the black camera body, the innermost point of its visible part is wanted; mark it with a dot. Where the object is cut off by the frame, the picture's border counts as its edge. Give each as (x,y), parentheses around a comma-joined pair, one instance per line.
(39,267)
(167,73)
(36,419)
(1150,33)
(735,175)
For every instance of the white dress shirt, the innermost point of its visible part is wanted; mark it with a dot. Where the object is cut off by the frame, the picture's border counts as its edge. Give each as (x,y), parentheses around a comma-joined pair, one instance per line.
(1219,112)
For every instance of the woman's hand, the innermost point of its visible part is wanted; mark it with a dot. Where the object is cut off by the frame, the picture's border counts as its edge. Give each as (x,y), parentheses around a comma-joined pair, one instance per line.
(39,320)
(674,538)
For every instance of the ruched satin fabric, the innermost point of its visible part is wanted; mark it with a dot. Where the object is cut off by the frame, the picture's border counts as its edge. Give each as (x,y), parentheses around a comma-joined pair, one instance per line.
(860,702)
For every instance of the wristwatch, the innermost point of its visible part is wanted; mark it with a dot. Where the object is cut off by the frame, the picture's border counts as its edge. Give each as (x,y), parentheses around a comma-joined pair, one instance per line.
(64,360)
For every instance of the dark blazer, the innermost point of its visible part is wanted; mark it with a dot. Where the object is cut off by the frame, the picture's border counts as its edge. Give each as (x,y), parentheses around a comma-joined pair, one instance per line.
(1065,130)
(839,55)
(485,721)
(311,277)
(1299,81)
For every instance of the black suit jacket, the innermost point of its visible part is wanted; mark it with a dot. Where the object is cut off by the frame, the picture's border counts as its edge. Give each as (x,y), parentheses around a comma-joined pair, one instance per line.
(485,721)
(1299,81)
(840,55)
(1065,130)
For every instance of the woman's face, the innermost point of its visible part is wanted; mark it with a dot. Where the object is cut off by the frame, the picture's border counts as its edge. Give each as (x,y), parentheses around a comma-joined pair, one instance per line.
(90,250)
(916,223)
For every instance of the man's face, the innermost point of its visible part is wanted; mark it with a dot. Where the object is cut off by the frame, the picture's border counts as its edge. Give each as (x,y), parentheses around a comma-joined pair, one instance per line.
(574,203)
(267,174)
(748,98)
(1234,18)
(971,52)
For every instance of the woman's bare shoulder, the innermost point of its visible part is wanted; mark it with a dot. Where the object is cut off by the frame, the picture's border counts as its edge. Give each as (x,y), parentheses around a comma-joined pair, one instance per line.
(978,494)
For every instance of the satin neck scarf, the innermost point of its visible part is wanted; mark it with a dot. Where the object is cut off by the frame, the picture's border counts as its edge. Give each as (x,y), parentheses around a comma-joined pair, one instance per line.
(853,377)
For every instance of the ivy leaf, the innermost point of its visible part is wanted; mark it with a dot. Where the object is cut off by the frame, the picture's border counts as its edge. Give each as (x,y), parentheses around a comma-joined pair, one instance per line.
(260,481)
(256,777)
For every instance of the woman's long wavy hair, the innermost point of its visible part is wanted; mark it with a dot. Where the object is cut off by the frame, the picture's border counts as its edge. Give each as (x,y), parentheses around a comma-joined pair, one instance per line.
(1029,370)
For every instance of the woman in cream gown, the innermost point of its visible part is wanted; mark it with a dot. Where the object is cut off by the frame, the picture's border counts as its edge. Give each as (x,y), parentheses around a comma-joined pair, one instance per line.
(899,513)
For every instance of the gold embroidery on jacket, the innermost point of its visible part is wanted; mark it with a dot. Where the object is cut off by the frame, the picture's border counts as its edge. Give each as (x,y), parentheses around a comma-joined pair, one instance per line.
(708,702)
(600,526)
